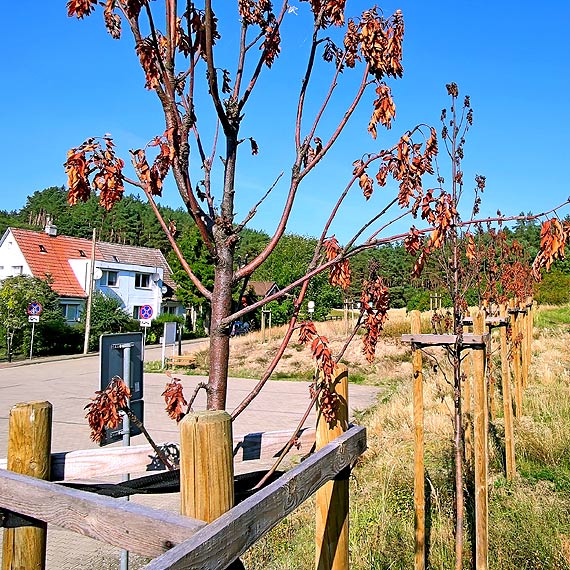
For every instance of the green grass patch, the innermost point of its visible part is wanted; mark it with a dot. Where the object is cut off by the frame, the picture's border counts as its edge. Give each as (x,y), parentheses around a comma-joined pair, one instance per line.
(553,317)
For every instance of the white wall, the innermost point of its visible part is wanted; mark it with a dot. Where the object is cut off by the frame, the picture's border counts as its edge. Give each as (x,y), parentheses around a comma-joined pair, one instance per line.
(125,289)
(11,257)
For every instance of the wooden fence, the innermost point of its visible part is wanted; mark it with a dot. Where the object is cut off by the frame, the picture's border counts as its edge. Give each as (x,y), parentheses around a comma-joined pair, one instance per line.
(174,541)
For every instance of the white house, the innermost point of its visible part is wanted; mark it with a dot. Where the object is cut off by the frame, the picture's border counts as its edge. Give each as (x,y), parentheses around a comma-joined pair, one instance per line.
(136,275)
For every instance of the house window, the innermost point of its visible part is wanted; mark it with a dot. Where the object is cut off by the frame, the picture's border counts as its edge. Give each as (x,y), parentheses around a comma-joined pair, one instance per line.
(71,312)
(136,312)
(169,310)
(42,249)
(110,278)
(82,253)
(142,280)
(17,269)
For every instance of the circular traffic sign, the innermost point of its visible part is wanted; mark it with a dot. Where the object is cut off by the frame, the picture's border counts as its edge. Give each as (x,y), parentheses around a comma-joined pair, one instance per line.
(35,308)
(145,312)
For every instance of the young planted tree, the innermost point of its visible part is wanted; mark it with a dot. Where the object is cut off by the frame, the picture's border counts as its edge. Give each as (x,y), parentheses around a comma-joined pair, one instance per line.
(180,50)
(207,87)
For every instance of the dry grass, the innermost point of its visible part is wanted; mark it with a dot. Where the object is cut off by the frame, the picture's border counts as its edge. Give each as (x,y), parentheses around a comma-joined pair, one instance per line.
(529,519)
(250,357)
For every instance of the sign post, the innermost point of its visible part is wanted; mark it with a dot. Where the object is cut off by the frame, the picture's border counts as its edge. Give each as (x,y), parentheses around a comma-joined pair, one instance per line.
(34,311)
(121,355)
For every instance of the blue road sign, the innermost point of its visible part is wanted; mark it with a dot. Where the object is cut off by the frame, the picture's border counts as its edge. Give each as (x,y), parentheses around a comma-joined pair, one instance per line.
(35,308)
(145,312)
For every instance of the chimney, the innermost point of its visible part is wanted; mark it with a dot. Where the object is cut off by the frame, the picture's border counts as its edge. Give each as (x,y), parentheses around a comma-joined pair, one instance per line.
(50,229)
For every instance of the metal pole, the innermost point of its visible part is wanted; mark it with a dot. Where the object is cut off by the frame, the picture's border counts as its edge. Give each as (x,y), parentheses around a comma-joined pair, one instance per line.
(89,296)
(126,433)
(32,340)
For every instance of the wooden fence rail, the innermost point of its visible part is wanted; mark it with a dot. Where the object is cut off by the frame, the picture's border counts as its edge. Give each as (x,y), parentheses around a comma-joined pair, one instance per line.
(103,462)
(224,540)
(151,532)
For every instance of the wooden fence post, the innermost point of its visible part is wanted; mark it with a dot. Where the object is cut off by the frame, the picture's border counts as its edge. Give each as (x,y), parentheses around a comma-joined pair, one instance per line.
(206,465)
(480,423)
(467,407)
(516,358)
(510,465)
(331,532)
(419,470)
(29,452)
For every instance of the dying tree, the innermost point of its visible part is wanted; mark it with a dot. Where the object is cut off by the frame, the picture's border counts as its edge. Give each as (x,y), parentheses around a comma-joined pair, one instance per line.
(179,50)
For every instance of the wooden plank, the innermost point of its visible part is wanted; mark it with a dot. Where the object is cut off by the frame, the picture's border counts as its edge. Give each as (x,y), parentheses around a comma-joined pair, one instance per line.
(102,462)
(140,529)
(29,444)
(332,502)
(489,321)
(469,340)
(222,541)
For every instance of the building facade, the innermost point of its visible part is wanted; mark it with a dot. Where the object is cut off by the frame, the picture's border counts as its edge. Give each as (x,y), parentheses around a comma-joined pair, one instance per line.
(136,276)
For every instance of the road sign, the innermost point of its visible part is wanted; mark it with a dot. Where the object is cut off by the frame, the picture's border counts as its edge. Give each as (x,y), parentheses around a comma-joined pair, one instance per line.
(111,360)
(35,308)
(145,323)
(34,319)
(121,355)
(145,312)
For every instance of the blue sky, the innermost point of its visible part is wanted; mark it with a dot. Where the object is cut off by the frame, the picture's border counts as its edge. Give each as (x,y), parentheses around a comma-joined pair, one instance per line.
(66,80)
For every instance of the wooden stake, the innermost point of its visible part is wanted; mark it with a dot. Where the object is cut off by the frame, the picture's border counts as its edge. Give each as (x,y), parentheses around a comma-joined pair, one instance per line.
(510,466)
(528,336)
(331,532)
(524,347)
(206,465)
(516,358)
(29,452)
(419,470)
(480,423)
(467,407)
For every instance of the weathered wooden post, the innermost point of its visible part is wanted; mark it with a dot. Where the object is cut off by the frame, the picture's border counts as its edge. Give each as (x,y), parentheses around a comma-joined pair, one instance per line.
(206,465)
(467,407)
(331,532)
(29,449)
(480,425)
(510,465)
(516,357)
(419,470)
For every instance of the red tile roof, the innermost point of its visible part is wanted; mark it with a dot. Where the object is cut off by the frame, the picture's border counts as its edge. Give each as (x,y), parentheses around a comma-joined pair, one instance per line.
(49,256)
(53,262)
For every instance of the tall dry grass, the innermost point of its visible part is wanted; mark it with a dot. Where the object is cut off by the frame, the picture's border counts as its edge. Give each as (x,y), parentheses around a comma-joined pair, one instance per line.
(529,518)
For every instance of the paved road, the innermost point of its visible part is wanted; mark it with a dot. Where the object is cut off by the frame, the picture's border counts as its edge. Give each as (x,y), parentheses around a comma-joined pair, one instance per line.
(68,384)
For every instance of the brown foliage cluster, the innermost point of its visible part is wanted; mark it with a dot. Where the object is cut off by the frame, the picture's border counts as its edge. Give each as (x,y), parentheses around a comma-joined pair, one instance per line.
(384,109)
(553,237)
(328,12)
(80,8)
(260,13)
(103,411)
(174,399)
(92,159)
(340,272)
(375,302)
(153,176)
(328,400)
